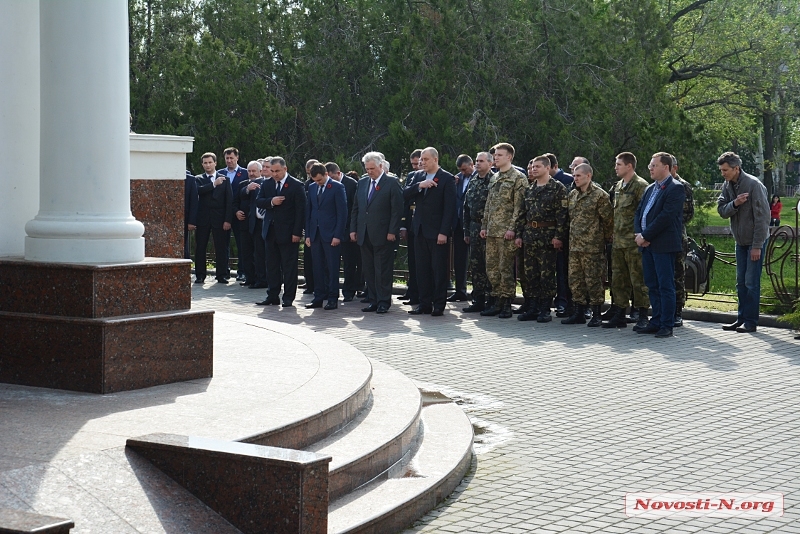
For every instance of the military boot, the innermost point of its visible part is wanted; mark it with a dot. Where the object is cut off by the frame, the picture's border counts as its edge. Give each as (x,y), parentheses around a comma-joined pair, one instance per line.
(524,307)
(595,320)
(643,320)
(678,317)
(617,320)
(478,303)
(609,313)
(494,307)
(544,312)
(505,310)
(634,316)
(531,313)
(577,316)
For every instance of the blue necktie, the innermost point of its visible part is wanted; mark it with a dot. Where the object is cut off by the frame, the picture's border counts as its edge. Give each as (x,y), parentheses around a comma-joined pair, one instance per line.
(371,191)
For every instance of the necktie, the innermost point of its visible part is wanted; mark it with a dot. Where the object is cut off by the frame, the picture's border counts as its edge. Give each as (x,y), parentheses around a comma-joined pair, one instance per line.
(371,191)
(319,190)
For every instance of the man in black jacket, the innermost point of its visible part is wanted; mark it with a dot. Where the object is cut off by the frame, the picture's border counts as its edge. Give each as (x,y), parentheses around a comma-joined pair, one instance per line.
(214,216)
(351,254)
(243,208)
(190,201)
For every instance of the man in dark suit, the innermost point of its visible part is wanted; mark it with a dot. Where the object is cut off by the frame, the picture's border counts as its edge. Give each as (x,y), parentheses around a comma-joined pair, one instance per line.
(236,175)
(351,254)
(244,202)
(308,260)
(466,170)
(326,218)
(214,216)
(374,225)
(434,193)
(657,224)
(190,202)
(407,233)
(284,202)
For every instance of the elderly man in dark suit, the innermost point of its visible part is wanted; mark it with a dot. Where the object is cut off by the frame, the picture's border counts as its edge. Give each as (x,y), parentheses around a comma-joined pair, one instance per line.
(657,225)
(434,192)
(351,254)
(214,216)
(190,202)
(244,208)
(326,217)
(375,225)
(283,200)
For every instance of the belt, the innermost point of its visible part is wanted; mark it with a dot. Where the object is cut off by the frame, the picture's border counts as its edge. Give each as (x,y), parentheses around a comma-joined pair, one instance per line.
(542,224)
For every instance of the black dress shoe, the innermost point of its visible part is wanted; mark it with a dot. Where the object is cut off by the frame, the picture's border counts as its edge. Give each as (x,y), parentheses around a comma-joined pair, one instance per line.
(412,303)
(331,305)
(361,294)
(458,296)
(268,302)
(200,281)
(370,308)
(308,292)
(347,299)
(222,280)
(649,329)
(382,309)
(746,329)
(419,310)
(259,285)
(438,312)
(287,304)
(664,332)
(732,326)
(245,283)
(365,300)
(314,304)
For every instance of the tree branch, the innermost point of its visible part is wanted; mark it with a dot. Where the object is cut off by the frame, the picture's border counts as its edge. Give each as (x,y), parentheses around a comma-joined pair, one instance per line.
(697,4)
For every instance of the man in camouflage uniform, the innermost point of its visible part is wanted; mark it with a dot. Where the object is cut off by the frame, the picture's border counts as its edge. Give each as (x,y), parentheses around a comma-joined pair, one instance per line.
(626,260)
(591,225)
(680,267)
(504,207)
(474,205)
(543,232)
(522,275)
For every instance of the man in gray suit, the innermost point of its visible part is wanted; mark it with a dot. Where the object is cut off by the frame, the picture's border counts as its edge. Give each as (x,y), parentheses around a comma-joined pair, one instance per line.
(375,226)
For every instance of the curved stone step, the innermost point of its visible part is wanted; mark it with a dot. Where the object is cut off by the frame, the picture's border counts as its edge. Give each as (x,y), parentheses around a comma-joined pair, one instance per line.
(382,435)
(436,468)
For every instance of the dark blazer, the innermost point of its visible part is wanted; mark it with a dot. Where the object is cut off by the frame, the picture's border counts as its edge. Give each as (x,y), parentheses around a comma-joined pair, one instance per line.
(240,176)
(665,218)
(350,187)
(190,199)
(407,212)
(246,201)
(288,218)
(460,194)
(326,214)
(215,203)
(435,207)
(380,216)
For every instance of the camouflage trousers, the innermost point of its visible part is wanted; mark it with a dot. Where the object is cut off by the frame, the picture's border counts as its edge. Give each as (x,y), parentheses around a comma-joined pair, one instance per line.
(500,256)
(680,277)
(477,266)
(628,279)
(540,271)
(586,270)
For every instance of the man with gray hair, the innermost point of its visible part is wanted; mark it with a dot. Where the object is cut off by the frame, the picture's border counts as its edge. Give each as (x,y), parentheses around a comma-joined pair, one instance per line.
(744,201)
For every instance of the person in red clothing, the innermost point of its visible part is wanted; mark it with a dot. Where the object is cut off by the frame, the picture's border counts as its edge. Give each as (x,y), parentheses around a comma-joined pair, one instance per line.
(775,211)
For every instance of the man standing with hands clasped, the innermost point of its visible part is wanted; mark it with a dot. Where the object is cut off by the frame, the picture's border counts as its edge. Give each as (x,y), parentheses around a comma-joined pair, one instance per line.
(744,201)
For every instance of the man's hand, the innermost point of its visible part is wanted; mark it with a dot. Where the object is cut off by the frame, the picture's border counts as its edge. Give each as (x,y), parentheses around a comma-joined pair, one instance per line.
(741,199)
(240,215)
(518,242)
(308,241)
(755,253)
(426,184)
(218,181)
(466,239)
(353,237)
(642,242)
(509,235)
(483,234)
(277,201)
(191,227)
(557,244)
(335,242)
(295,239)
(441,239)
(226,226)
(403,234)
(391,237)
(253,186)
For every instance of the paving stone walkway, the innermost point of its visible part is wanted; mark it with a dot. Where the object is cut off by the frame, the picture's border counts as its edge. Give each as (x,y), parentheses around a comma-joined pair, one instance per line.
(569,419)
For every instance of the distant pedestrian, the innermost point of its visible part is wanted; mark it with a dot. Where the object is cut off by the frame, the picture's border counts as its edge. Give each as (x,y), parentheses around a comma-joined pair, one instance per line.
(775,207)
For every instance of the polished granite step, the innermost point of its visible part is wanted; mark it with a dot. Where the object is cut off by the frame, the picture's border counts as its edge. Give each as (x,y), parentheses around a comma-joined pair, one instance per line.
(436,468)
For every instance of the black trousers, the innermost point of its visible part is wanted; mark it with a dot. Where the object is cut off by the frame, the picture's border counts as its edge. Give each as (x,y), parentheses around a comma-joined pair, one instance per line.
(246,253)
(460,258)
(432,273)
(186,253)
(308,268)
(353,270)
(413,288)
(563,293)
(221,240)
(282,269)
(236,229)
(259,254)
(378,262)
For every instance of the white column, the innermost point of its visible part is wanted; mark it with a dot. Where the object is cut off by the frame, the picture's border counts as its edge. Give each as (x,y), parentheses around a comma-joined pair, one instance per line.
(84,202)
(19,122)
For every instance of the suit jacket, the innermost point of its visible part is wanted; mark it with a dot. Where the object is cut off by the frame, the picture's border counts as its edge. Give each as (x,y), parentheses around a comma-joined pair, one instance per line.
(288,218)
(215,203)
(326,213)
(435,207)
(461,193)
(245,201)
(350,187)
(240,176)
(190,199)
(665,218)
(408,213)
(379,216)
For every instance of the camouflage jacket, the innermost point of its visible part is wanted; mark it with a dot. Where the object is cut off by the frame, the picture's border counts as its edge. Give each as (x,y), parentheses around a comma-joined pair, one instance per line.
(475,203)
(505,203)
(688,204)
(547,204)
(591,219)
(625,199)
